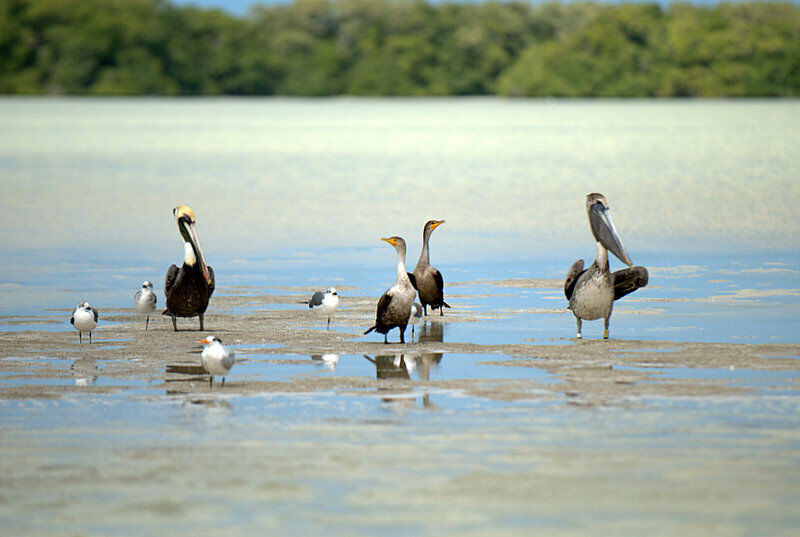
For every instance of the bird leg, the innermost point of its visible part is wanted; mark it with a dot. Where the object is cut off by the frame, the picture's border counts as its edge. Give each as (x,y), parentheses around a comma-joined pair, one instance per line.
(412,331)
(147,322)
(174,324)
(425,309)
(579,326)
(329,324)
(211,381)
(90,337)
(385,340)
(441,310)
(80,336)
(223,383)
(402,334)
(605,331)
(201,322)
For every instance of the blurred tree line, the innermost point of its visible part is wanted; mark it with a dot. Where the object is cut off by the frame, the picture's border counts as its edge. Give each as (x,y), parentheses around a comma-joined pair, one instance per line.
(407,47)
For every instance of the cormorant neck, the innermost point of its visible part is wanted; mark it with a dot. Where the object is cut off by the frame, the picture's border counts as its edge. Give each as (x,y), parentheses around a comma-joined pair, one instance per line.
(424,256)
(402,275)
(189,257)
(602,256)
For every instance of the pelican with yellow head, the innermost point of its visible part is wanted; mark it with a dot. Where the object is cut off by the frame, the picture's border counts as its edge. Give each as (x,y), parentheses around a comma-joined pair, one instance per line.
(189,288)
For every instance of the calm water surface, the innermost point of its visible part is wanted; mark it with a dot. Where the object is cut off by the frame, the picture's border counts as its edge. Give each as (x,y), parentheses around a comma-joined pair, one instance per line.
(297,193)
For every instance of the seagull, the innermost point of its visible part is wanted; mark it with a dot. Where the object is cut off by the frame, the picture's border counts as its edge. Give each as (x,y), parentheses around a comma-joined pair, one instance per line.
(188,288)
(394,306)
(427,280)
(325,303)
(84,319)
(145,301)
(592,292)
(217,359)
(416,315)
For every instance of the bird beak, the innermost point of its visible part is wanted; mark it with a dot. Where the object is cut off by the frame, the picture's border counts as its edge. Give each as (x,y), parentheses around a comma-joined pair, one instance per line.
(390,241)
(191,233)
(204,341)
(604,231)
(437,224)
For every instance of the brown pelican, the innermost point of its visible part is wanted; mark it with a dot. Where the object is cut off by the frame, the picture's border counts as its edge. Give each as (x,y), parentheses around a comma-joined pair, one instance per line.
(427,280)
(188,288)
(394,306)
(592,292)
(84,319)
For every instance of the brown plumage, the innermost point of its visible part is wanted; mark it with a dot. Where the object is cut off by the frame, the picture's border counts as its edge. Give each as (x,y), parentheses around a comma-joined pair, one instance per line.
(189,288)
(426,279)
(394,306)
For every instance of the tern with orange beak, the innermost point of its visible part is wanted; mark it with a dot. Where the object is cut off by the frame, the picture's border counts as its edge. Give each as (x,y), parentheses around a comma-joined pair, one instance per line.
(592,292)
(189,288)
(427,280)
(394,306)
(217,359)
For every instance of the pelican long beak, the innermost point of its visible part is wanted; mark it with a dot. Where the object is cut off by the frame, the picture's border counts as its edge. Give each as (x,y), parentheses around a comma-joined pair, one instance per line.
(604,231)
(191,234)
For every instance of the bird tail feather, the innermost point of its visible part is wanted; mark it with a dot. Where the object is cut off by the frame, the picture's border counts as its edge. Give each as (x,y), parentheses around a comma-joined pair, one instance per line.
(370,329)
(445,304)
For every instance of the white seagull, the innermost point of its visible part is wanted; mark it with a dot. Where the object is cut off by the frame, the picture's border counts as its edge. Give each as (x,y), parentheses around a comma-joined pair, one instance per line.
(145,301)
(325,303)
(416,315)
(84,319)
(217,358)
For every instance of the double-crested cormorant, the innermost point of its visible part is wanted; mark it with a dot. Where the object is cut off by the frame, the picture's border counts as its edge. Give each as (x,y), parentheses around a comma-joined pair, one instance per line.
(592,292)
(188,288)
(394,306)
(84,319)
(325,303)
(217,359)
(427,280)
(145,301)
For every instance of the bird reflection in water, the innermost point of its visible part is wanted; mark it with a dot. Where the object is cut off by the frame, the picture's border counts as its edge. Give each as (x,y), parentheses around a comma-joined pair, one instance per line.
(401,367)
(431,332)
(329,361)
(85,371)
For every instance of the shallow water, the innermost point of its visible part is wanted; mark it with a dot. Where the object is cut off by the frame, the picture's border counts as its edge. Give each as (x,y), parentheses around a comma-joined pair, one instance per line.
(294,194)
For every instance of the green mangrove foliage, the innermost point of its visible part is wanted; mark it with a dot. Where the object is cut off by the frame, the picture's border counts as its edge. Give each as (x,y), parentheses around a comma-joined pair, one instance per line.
(407,47)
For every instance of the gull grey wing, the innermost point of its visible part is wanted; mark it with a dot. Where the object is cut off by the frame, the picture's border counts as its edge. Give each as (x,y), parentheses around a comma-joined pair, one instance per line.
(628,280)
(572,276)
(316,299)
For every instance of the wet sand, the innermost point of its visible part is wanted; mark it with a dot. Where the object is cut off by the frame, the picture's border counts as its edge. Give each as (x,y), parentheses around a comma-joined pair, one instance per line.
(591,372)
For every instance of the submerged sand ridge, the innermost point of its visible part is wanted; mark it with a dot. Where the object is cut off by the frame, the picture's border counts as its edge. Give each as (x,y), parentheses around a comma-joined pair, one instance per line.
(47,364)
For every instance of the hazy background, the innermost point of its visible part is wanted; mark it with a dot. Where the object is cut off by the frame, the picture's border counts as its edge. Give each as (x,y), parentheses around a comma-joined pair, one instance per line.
(509,176)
